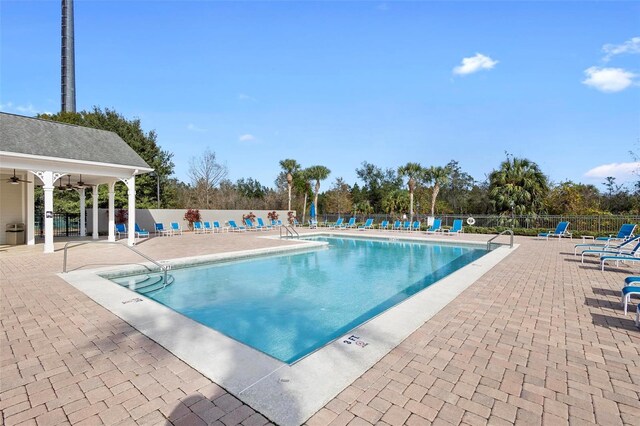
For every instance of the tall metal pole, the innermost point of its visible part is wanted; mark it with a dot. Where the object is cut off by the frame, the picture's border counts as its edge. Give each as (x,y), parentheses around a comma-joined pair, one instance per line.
(158,189)
(68,69)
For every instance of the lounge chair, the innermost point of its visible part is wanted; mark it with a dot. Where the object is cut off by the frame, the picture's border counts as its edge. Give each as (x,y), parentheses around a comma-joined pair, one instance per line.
(159,230)
(218,228)
(141,233)
(561,231)
(207,227)
(263,226)
(621,249)
(384,224)
(338,223)
(629,290)
(625,233)
(235,228)
(397,225)
(415,226)
(436,227)
(638,315)
(121,230)
(628,256)
(295,222)
(176,228)
(250,226)
(367,225)
(313,223)
(352,223)
(455,229)
(198,228)
(406,226)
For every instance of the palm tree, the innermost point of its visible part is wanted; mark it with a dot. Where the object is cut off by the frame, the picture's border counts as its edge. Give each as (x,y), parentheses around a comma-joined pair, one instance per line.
(438,176)
(412,171)
(291,167)
(317,173)
(518,187)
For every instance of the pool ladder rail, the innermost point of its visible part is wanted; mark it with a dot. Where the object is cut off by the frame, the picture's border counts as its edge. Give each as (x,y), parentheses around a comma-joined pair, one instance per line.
(164,268)
(290,232)
(506,231)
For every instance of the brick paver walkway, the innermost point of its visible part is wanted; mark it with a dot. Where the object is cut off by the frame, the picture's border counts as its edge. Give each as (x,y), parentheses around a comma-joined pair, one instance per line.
(539,339)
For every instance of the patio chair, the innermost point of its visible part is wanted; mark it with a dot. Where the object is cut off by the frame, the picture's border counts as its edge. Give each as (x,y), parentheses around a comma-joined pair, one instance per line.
(397,225)
(455,229)
(141,233)
(630,290)
(633,256)
(251,226)
(121,230)
(160,230)
(384,224)
(338,223)
(218,228)
(351,223)
(233,227)
(436,227)
(367,225)
(626,232)
(415,226)
(198,228)
(176,228)
(207,227)
(560,231)
(262,224)
(406,226)
(622,248)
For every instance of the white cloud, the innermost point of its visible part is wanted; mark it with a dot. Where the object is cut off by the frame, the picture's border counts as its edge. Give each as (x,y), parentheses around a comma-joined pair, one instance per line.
(608,80)
(474,64)
(246,138)
(630,46)
(21,109)
(383,7)
(621,171)
(193,128)
(245,97)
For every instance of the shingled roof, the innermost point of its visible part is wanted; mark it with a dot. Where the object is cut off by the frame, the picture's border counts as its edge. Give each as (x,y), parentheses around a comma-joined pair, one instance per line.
(47,138)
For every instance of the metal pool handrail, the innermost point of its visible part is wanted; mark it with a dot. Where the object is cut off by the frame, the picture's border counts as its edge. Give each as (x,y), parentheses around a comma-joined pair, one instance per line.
(163,268)
(290,231)
(506,231)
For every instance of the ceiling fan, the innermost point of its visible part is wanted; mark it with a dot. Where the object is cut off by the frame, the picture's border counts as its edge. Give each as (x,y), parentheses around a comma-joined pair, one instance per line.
(68,186)
(14,180)
(80,184)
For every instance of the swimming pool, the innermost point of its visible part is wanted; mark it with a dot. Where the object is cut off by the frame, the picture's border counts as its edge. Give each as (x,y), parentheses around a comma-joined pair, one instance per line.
(287,306)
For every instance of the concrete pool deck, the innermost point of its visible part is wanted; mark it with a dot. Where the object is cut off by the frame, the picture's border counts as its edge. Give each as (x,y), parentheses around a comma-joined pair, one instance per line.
(538,338)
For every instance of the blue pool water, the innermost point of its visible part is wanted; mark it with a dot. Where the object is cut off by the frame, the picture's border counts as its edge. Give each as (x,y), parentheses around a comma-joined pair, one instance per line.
(290,305)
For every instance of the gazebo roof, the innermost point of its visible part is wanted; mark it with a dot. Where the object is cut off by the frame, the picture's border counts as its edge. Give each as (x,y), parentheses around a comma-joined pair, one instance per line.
(45,138)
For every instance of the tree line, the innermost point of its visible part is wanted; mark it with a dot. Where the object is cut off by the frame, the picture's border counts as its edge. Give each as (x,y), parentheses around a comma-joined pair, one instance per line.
(516,187)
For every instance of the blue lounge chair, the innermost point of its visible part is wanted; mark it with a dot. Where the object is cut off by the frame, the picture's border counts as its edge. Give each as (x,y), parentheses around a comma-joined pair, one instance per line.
(141,233)
(455,229)
(384,224)
(620,249)
(218,228)
(629,290)
(631,256)
(198,228)
(176,228)
(263,226)
(235,228)
(397,225)
(121,230)
(561,231)
(367,225)
(436,227)
(352,223)
(250,226)
(207,227)
(415,226)
(159,230)
(625,232)
(406,226)
(338,223)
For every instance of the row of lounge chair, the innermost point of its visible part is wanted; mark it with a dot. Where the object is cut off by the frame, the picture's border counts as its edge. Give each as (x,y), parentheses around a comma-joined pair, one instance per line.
(398,225)
(621,248)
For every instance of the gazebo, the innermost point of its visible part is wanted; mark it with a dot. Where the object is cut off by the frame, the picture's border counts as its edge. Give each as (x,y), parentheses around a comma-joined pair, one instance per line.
(41,152)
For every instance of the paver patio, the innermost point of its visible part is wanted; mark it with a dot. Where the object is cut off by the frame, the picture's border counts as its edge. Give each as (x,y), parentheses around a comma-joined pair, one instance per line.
(539,339)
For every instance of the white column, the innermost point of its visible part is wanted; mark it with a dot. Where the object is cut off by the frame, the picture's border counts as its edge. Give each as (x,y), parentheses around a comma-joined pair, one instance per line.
(83,227)
(30,216)
(131,206)
(48,179)
(112,222)
(95,222)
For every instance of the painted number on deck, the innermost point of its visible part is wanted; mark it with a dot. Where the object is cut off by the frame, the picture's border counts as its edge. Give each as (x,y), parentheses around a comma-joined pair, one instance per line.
(355,340)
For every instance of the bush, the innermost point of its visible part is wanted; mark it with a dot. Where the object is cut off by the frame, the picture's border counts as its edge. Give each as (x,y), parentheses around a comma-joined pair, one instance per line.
(249,216)
(291,217)
(272,215)
(192,215)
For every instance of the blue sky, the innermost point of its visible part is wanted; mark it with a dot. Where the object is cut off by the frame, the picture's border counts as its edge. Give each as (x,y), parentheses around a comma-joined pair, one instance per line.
(339,83)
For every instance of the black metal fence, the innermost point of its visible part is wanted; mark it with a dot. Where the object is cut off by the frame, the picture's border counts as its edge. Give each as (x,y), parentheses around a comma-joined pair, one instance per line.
(603,224)
(64,224)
